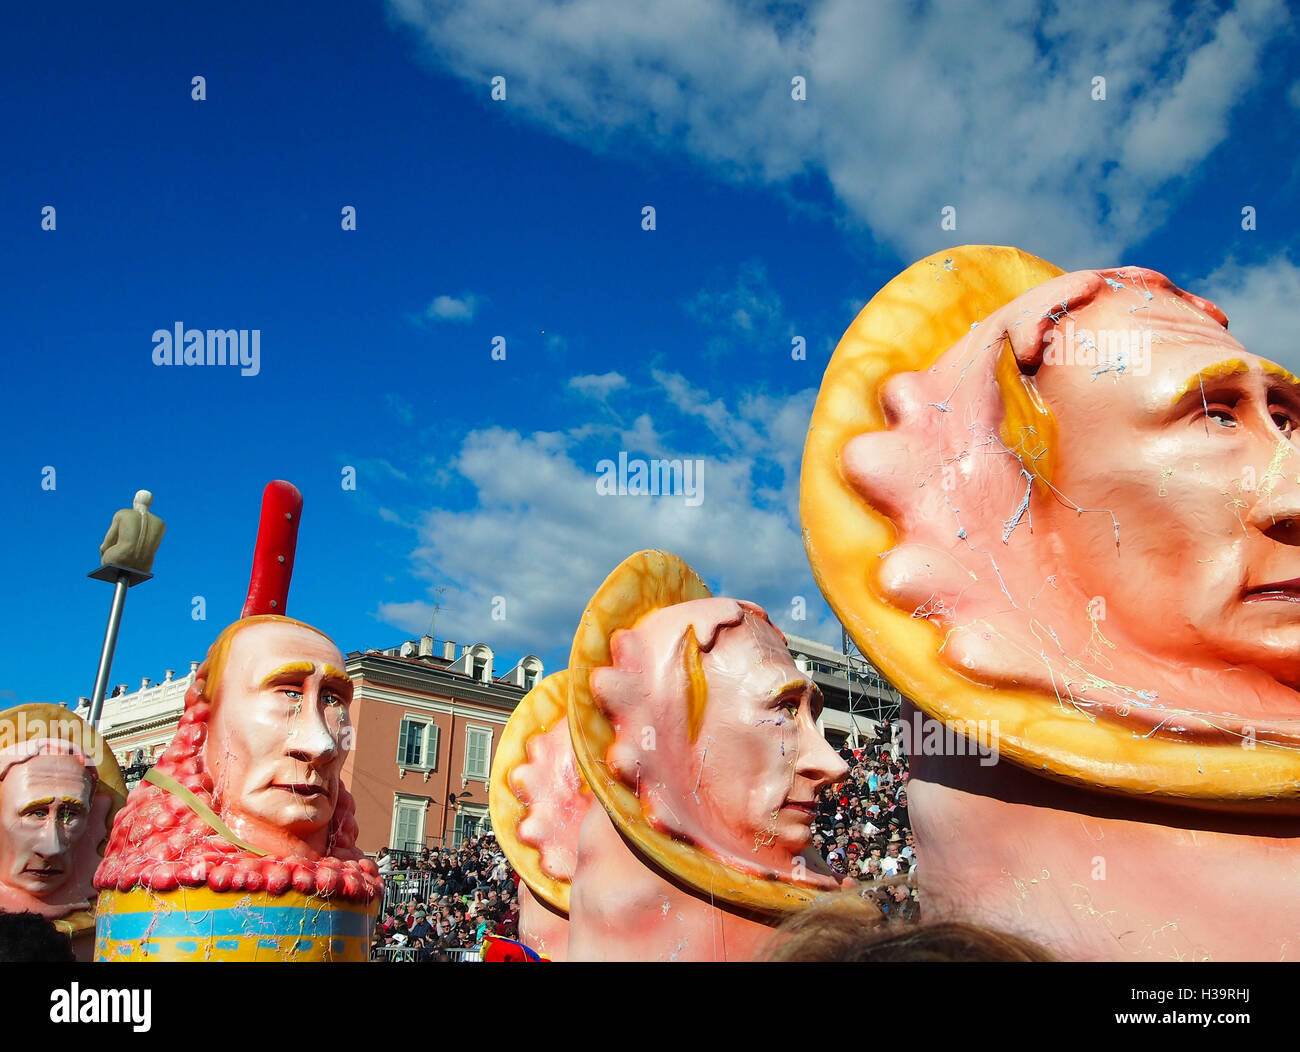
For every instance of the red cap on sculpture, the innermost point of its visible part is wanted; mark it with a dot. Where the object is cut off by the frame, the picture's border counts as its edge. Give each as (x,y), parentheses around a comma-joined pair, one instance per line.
(277,539)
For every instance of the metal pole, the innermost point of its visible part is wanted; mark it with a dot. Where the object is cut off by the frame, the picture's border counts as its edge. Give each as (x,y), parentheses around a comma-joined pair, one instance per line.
(106,656)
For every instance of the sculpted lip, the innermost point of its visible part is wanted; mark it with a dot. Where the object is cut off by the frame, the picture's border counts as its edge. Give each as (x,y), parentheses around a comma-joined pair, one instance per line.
(1280,591)
(302,789)
(802,806)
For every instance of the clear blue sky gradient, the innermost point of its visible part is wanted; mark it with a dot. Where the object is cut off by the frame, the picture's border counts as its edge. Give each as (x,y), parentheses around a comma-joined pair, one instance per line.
(226,213)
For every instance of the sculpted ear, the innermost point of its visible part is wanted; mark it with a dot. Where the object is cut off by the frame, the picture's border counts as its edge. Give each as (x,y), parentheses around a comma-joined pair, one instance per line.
(697,687)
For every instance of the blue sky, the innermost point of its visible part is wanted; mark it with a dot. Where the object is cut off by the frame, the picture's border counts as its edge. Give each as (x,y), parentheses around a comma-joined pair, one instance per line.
(522,218)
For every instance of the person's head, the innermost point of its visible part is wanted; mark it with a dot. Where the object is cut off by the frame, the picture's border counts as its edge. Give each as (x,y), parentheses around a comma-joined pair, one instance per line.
(278,732)
(844,929)
(737,762)
(28,938)
(46,791)
(143,498)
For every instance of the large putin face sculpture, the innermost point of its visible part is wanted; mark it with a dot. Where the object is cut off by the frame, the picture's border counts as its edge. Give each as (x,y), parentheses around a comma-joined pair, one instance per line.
(1062,512)
(697,735)
(538,801)
(246,801)
(60,787)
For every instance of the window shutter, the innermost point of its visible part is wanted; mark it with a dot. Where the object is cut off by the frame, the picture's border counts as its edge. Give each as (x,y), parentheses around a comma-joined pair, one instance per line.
(478,745)
(431,760)
(401,741)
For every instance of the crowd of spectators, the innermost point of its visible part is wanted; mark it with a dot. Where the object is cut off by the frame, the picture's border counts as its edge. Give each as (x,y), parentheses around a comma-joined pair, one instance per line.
(446,900)
(862,828)
(449,899)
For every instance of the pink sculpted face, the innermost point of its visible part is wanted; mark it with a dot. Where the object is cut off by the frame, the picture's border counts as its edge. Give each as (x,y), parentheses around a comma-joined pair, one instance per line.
(744,786)
(278,737)
(1136,553)
(550,786)
(1200,473)
(45,805)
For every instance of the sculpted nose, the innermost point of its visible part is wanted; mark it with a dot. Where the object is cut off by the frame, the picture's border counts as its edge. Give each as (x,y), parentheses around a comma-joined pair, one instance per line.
(818,762)
(1275,509)
(50,843)
(310,739)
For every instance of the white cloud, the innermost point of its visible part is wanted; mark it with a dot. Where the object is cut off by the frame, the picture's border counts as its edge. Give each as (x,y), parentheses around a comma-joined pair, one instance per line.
(541,536)
(746,304)
(598,386)
(1262,302)
(909,107)
(410,617)
(368,468)
(452,308)
(394,518)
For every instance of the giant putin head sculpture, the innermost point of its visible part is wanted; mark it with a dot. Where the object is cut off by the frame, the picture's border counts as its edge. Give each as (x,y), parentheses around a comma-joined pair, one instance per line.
(538,801)
(697,735)
(241,842)
(1063,511)
(60,788)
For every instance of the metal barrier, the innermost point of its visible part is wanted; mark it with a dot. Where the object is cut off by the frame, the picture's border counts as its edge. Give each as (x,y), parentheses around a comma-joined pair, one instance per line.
(394,953)
(403,885)
(408,954)
(470,956)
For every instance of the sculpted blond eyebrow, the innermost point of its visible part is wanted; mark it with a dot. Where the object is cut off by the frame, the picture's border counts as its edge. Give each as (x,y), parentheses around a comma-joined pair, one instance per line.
(799,686)
(71,801)
(1228,367)
(1285,375)
(293,668)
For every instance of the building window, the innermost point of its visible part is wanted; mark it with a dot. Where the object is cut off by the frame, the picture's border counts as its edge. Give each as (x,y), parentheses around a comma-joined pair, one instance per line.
(531,676)
(417,744)
(478,752)
(408,823)
(471,820)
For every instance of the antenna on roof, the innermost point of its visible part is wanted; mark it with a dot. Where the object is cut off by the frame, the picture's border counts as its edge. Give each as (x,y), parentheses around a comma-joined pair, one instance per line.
(436,607)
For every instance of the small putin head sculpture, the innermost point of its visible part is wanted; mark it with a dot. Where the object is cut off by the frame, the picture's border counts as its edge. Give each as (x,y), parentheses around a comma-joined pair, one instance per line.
(60,788)
(1061,513)
(697,734)
(538,801)
(240,844)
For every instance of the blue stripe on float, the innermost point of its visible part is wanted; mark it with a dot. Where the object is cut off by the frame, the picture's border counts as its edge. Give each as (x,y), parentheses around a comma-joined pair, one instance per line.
(269,922)
(157,948)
